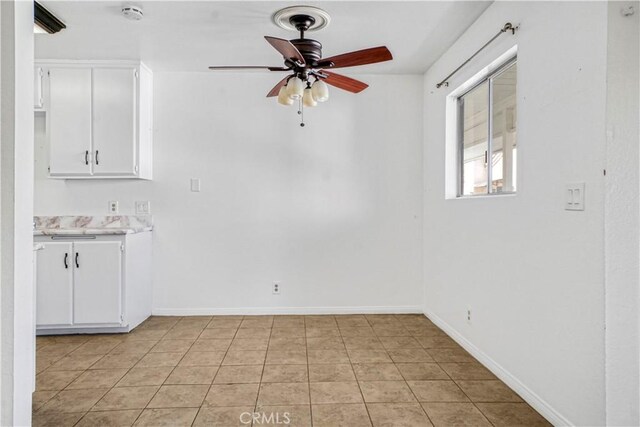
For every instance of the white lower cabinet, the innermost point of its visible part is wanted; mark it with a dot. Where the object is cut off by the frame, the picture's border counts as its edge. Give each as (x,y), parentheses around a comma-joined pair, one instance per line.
(54,290)
(96,283)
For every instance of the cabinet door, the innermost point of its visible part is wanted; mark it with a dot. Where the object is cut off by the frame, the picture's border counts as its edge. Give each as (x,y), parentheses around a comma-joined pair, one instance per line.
(97,279)
(114,131)
(69,121)
(38,99)
(54,285)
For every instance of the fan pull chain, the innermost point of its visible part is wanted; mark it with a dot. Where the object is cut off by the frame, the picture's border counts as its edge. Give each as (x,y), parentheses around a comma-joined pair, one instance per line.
(301,112)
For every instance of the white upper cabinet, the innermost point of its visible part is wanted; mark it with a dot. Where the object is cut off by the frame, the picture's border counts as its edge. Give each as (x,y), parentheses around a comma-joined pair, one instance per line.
(99,119)
(114,121)
(69,121)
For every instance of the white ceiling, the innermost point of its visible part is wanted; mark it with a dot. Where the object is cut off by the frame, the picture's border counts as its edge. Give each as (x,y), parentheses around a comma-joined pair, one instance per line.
(189,36)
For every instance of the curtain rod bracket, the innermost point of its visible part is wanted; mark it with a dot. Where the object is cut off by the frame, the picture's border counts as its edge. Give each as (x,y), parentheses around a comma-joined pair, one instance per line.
(507,27)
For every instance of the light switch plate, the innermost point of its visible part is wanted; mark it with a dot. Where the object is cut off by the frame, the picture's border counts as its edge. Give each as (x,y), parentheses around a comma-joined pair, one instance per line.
(143,207)
(574,197)
(195,185)
(113,207)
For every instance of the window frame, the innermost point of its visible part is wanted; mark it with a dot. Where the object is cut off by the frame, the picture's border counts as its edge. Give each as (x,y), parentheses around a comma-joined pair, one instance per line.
(459,125)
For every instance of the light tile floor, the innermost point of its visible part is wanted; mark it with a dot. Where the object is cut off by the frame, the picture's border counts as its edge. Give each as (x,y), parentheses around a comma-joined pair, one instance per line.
(351,370)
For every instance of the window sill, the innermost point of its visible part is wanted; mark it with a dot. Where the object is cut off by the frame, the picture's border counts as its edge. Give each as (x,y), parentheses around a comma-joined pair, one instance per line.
(483,196)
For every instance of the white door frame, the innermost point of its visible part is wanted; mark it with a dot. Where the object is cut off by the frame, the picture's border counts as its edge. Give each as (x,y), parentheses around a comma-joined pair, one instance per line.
(622,218)
(16,212)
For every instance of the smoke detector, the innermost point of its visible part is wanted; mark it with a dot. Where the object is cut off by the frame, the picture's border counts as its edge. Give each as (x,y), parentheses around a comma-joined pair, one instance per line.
(132,12)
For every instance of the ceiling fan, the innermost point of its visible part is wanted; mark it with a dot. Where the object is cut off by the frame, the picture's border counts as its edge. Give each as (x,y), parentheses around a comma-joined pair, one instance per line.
(308,70)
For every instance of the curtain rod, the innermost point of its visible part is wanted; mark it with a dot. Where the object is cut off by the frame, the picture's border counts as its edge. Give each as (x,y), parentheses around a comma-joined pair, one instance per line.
(507,27)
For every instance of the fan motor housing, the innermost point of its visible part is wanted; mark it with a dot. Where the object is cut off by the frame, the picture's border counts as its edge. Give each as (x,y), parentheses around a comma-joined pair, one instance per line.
(310,49)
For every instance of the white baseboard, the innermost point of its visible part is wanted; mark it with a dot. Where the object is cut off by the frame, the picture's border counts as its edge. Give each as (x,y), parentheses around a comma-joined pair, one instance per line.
(539,404)
(252,311)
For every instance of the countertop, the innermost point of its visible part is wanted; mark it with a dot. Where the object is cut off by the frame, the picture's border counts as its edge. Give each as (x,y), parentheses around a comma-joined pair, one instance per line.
(76,225)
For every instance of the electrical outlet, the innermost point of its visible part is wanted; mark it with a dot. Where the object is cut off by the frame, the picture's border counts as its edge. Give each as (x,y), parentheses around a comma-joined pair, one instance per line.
(275,289)
(143,207)
(113,207)
(195,185)
(469,315)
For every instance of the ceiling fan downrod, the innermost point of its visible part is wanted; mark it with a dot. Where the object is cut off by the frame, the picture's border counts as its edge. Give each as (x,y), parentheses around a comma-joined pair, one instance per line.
(302,23)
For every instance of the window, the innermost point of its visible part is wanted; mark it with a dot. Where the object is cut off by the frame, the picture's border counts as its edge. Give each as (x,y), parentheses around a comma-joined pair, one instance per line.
(488,165)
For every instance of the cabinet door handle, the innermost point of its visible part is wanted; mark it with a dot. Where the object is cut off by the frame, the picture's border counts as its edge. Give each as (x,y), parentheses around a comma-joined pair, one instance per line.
(86,157)
(66,255)
(97,162)
(77,265)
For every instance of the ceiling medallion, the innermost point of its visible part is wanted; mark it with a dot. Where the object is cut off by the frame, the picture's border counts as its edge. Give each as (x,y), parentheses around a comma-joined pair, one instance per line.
(282,18)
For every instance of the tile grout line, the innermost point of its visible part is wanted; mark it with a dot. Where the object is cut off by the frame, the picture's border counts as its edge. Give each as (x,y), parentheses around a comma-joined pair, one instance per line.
(160,386)
(128,370)
(306,352)
(86,370)
(135,364)
(46,369)
(451,379)
(264,364)
(411,390)
(364,402)
(454,381)
(219,366)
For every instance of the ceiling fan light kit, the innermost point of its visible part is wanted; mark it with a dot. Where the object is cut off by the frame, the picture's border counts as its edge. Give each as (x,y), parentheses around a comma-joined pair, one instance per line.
(295,88)
(307,99)
(308,78)
(283,96)
(320,91)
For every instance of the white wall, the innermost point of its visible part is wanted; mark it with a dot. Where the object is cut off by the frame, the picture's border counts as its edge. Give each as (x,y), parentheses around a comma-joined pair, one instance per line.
(332,210)
(622,216)
(16,203)
(531,272)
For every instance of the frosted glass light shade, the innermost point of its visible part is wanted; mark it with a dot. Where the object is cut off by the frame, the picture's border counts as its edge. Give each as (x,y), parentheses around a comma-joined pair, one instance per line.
(320,91)
(283,97)
(307,99)
(295,88)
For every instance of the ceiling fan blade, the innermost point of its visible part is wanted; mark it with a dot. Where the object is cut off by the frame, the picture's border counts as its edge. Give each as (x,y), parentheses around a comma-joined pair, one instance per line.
(276,88)
(358,57)
(344,82)
(286,48)
(247,67)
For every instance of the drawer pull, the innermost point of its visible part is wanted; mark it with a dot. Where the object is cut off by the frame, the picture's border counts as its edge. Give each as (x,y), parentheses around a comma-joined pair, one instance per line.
(66,255)
(74,237)
(77,265)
